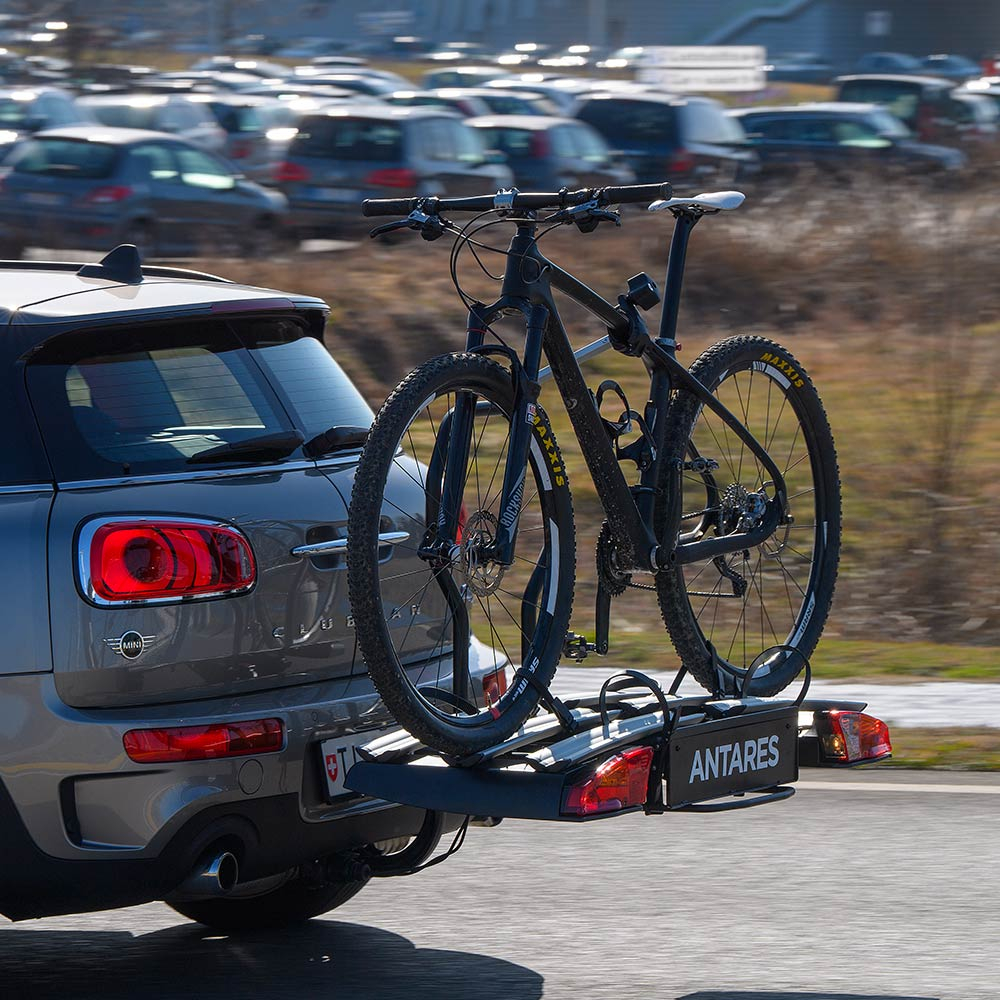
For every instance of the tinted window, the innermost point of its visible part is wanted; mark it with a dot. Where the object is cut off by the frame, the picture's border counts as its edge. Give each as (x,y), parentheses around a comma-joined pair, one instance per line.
(631,121)
(705,122)
(128,115)
(515,142)
(64,157)
(203,171)
(349,139)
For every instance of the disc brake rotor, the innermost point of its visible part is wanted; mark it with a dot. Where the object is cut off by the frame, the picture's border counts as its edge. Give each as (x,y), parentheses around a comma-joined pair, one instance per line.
(482,573)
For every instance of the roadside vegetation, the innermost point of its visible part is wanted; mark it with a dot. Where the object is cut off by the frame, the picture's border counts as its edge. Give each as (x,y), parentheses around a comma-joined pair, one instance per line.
(885,294)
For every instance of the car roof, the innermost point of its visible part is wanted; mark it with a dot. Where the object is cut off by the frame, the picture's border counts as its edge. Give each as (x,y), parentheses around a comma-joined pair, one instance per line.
(382,112)
(532,122)
(112,135)
(899,78)
(33,293)
(825,107)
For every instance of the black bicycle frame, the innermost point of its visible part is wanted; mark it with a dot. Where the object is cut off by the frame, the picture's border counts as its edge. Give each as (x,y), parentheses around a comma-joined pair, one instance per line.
(528,281)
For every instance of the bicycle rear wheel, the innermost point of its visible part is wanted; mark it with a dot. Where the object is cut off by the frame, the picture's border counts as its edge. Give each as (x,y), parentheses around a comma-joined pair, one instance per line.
(762,608)
(438,619)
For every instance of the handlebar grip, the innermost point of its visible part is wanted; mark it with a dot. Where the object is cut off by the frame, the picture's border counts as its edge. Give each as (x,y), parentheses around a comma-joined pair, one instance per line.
(630,193)
(388,206)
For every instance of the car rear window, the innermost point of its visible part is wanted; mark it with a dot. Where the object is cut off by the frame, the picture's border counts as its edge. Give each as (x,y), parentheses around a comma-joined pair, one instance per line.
(349,138)
(631,121)
(64,157)
(145,400)
(145,116)
(709,123)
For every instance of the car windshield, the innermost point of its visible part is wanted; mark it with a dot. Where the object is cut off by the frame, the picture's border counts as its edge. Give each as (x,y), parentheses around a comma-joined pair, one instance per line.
(64,157)
(349,138)
(127,115)
(147,399)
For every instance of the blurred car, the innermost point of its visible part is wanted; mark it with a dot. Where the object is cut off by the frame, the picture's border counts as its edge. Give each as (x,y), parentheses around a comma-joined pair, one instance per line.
(241,64)
(457,51)
(571,57)
(460,76)
(839,138)
(95,186)
(799,67)
(296,90)
(25,110)
(951,67)
(341,156)
(311,47)
(925,104)
(981,122)
(522,54)
(258,130)
(681,139)
(177,114)
(473,101)
(888,62)
(548,153)
(369,84)
(181,692)
(629,57)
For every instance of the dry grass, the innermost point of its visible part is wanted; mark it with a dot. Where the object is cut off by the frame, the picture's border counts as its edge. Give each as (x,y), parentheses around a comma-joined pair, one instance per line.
(886,294)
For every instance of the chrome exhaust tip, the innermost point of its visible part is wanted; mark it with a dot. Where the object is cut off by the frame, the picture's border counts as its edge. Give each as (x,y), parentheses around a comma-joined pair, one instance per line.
(213,876)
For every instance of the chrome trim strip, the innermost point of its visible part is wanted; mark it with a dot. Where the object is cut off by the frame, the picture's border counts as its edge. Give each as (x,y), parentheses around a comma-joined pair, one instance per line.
(337,545)
(178,477)
(29,488)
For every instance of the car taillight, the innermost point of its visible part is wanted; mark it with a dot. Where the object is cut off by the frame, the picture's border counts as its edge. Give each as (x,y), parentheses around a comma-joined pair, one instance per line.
(619,783)
(539,145)
(146,560)
(852,737)
(495,686)
(681,161)
(290,173)
(107,194)
(227,739)
(392,177)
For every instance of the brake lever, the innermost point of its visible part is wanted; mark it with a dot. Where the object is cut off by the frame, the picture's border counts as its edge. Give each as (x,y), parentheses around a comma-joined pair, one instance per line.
(586,217)
(430,227)
(389,227)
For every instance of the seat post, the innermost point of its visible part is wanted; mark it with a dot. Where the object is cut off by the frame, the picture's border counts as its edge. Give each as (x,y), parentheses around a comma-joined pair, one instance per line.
(685,222)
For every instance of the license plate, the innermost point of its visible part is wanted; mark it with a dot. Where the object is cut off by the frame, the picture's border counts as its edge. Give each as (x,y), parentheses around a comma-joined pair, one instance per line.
(339,195)
(714,759)
(43,198)
(338,755)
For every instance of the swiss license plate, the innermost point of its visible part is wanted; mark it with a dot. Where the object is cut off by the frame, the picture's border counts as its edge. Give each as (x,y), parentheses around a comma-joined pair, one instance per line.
(338,754)
(714,759)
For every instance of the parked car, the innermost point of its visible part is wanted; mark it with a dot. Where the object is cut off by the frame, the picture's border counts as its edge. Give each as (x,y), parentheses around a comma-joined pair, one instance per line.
(361,83)
(343,155)
(462,102)
(925,104)
(460,76)
(547,154)
(799,67)
(25,110)
(258,130)
(682,139)
(840,139)
(91,187)
(174,113)
(180,689)
(952,67)
(888,62)
(472,101)
(981,123)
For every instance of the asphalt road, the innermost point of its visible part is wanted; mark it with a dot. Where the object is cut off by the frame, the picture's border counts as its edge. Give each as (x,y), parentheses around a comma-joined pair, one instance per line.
(867,885)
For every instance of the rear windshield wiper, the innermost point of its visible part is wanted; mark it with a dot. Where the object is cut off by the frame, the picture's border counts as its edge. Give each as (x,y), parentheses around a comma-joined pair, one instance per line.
(335,439)
(266,448)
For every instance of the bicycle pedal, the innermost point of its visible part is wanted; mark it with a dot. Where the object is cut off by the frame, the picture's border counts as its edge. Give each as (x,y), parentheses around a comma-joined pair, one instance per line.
(576,647)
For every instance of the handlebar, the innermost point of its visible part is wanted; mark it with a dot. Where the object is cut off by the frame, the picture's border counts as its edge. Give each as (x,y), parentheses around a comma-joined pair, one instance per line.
(621,195)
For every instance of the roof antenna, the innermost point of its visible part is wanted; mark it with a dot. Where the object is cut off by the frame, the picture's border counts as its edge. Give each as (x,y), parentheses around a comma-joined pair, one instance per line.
(123,264)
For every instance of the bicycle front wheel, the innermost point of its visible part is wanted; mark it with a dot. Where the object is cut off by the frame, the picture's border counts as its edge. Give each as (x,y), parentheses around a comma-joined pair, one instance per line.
(441,621)
(762,608)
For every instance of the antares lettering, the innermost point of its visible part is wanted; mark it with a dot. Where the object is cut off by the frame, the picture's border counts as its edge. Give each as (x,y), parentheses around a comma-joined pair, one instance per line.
(734,758)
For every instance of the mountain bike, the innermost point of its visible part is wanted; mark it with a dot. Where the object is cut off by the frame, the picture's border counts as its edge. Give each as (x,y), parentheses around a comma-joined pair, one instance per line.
(461,537)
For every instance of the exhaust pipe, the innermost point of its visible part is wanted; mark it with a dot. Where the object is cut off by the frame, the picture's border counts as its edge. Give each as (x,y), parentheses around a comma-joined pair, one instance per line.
(213,876)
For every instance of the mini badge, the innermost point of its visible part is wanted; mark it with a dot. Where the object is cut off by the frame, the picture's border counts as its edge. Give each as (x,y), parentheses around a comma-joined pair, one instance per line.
(130,644)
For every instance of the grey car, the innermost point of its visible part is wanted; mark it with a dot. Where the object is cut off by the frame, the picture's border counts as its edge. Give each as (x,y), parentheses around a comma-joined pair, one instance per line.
(345,154)
(180,689)
(177,114)
(91,187)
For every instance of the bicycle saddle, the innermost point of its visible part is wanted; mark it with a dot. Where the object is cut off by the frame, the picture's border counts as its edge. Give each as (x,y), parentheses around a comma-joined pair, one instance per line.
(714,201)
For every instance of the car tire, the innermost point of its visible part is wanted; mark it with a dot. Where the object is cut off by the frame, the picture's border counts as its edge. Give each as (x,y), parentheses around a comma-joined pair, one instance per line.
(292,901)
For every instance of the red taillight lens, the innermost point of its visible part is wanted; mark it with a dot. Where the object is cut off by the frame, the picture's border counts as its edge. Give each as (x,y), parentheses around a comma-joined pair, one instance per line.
(850,737)
(681,161)
(148,560)
(395,177)
(494,686)
(109,194)
(290,173)
(620,782)
(229,739)
(539,144)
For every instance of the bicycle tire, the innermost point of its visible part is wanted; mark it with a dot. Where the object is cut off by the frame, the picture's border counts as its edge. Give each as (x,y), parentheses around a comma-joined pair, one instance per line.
(405,642)
(788,581)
